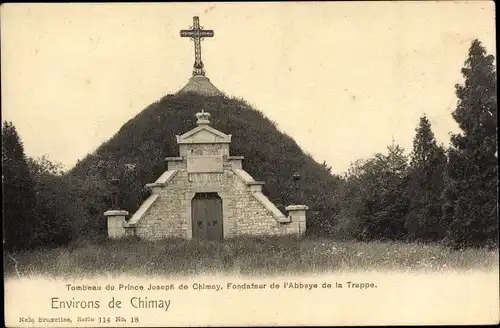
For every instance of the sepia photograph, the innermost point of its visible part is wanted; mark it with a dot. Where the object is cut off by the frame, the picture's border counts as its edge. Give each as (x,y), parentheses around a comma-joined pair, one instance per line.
(249,164)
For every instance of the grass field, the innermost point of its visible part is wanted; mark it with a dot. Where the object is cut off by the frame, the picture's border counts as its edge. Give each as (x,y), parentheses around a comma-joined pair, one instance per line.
(241,256)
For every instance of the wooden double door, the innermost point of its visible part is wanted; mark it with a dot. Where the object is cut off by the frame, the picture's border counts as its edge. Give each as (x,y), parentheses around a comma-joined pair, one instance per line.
(206,215)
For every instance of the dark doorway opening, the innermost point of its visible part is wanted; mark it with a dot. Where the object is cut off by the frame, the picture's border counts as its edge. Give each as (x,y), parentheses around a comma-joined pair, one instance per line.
(206,214)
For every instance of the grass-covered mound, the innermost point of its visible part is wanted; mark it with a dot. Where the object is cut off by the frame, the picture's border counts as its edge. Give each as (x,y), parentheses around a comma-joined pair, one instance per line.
(270,156)
(242,256)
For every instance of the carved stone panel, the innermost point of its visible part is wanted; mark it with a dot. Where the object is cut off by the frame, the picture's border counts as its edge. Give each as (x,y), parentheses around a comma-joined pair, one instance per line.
(204,163)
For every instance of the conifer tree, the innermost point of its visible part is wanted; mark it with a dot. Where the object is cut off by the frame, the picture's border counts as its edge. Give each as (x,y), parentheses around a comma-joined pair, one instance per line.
(19,199)
(471,193)
(383,195)
(426,183)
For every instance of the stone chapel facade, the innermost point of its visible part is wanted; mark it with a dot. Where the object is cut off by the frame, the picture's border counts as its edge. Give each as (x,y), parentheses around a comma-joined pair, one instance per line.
(205,194)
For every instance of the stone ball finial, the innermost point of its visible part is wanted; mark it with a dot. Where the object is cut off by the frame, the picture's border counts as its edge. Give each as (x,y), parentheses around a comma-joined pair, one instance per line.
(203,118)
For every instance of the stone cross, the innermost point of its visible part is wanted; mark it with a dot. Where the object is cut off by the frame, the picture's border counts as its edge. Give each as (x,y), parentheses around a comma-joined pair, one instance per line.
(197,33)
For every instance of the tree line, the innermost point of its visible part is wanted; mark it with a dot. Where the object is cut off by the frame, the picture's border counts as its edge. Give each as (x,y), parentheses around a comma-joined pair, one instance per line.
(433,194)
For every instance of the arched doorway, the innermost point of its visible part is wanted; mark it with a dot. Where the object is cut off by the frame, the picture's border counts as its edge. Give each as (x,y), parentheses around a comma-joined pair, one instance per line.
(206,215)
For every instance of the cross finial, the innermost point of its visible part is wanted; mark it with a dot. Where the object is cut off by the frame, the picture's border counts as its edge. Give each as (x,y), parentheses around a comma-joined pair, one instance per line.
(197,33)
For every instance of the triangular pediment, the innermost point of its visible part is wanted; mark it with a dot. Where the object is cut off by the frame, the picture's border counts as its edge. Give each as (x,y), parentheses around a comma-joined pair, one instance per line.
(203,134)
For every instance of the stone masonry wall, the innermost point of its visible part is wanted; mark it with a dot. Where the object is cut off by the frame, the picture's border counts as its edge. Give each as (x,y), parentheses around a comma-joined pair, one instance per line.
(165,218)
(170,216)
(250,217)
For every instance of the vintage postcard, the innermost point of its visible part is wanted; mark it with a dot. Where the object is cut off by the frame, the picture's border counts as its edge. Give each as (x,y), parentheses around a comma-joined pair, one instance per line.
(249,164)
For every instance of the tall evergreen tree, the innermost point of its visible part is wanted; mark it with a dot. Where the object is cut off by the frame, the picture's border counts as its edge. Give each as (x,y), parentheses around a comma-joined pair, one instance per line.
(384,200)
(19,199)
(471,193)
(425,186)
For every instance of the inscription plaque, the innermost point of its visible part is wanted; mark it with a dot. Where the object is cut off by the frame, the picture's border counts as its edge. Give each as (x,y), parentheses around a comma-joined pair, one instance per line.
(204,163)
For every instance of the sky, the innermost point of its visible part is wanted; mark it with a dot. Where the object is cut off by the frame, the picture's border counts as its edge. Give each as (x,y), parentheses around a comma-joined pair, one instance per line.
(343,79)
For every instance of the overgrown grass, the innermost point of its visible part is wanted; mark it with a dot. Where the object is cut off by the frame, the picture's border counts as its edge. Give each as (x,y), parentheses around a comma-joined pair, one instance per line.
(241,256)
